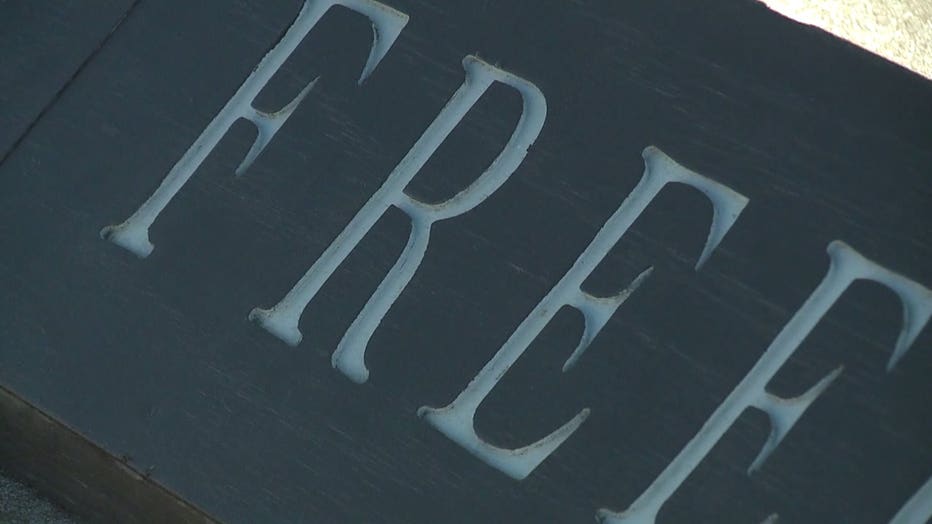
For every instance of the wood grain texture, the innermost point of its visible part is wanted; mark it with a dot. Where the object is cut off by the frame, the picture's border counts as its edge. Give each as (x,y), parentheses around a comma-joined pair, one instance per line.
(84,478)
(154,357)
(43,45)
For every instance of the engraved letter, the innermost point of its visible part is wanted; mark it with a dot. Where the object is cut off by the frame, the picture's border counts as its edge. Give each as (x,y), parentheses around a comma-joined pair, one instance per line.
(846,266)
(282,319)
(918,508)
(456,419)
(387,23)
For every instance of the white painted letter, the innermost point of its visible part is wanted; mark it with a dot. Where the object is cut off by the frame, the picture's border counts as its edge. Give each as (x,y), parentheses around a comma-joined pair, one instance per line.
(847,266)
(918,508)
(387,23)
(282,319)
(456,420)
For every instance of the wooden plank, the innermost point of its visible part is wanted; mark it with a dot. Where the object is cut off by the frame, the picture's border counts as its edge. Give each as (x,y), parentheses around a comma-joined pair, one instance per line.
(88,481)
(43,46)
(154,357)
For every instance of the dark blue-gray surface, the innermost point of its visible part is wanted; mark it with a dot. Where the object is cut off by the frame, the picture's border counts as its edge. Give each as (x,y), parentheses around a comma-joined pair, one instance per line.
(42,46)
(154,358)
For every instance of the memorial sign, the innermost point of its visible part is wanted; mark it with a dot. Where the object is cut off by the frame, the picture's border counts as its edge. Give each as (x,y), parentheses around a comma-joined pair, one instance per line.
(407,261)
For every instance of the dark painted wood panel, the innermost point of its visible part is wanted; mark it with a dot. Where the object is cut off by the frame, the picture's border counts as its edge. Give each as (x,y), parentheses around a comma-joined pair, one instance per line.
(155,357)
(42,46)
(85,479)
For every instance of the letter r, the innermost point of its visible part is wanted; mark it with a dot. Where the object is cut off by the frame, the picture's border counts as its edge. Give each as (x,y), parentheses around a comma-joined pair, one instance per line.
(282,319)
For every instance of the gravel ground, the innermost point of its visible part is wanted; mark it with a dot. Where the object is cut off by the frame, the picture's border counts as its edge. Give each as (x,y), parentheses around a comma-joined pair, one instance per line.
(898,30)
(20,505)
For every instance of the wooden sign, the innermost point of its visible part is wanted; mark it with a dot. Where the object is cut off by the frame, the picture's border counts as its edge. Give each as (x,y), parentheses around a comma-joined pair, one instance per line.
(407,261)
